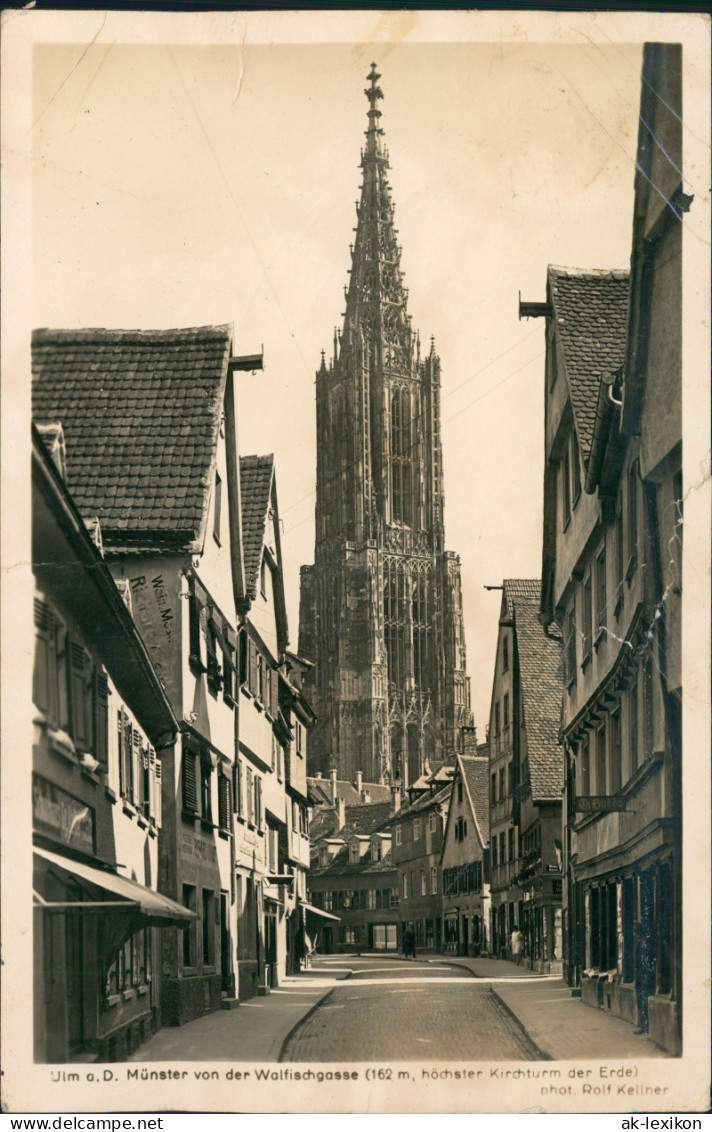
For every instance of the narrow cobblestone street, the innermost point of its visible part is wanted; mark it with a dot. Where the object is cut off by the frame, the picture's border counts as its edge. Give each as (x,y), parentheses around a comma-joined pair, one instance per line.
(379,1008)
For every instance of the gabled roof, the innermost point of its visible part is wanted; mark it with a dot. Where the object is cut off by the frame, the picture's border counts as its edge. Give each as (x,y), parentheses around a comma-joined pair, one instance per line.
(475,774)
(141,415)
(590,313)
(539,658)
(256,478)
(425,802)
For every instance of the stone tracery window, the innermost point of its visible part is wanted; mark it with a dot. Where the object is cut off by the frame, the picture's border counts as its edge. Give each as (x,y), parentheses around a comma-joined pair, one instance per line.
(401,457)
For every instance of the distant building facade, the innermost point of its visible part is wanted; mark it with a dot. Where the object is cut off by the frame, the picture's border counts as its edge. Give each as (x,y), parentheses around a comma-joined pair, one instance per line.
(465,855)
(418,830)
(381,608)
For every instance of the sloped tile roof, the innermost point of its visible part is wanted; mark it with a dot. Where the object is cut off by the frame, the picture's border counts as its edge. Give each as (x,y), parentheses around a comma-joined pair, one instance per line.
(366,818)
(320,791)
(475,770)
(340,865)
(514,588)
(256,476)
(425,801)
(590,311)
(542,690)
(141,414)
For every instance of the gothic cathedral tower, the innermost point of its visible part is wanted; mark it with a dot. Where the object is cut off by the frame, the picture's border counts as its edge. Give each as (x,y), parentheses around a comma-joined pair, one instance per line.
(381,610)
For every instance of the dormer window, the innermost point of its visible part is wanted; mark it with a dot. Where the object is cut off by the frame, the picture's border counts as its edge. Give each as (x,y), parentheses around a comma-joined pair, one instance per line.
(354,854)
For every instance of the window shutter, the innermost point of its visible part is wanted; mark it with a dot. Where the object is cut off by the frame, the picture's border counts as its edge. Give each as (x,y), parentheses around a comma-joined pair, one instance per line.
(258,802)
(250,797)
(101,718)
(243,658)
(237,788)
(197,616)
(224,809)
(43,663)
(158,810)
(80,686)
(190,785)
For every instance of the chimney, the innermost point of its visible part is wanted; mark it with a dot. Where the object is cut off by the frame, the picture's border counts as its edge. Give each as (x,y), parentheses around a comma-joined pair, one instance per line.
(359,781)
(395,799)
(341,812)
(333,786)
(317,774)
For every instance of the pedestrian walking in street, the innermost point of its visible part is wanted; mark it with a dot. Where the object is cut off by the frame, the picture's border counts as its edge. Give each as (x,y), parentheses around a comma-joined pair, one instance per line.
(644,975)
(517,945)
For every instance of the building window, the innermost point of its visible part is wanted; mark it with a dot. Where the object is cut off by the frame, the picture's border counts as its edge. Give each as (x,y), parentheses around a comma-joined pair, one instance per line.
(505,654)
(459,790)
(354,852)
(433,879)
(496,719)
(217,513)
(601,761)
(433,823)
(633,753)
(502,787)
(620,562)
(505,711)
(493,789)
(494,852)
(575,468)
(566,486)
(189,933)
(502,849)
(600,593)
(587,619)
(208,927)
(570,648)
(416,830)
(405,886)
(399,834)
(206,791)
(423,884)
(616,751)
(633,476)
(510,844)
(585,760)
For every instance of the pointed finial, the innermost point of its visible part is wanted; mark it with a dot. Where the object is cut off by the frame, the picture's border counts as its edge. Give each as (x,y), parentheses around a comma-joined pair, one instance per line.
(374,94)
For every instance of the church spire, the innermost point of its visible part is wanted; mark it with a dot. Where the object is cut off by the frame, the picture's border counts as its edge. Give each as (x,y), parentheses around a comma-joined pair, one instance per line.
(376,315)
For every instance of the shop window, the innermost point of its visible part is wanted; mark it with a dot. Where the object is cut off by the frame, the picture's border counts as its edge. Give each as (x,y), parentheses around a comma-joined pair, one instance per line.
(664,892)
(189,933)
(208,925)
(628,930)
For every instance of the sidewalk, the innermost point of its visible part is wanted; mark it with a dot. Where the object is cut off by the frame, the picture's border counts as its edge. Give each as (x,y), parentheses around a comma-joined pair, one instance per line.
(564,1029)
(254,1031)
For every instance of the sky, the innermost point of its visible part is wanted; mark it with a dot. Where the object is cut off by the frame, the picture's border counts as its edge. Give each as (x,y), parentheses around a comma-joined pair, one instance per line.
(181,185)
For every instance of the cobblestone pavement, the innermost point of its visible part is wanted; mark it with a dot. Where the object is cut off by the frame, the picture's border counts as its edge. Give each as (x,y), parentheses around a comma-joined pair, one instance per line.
(440,1019)
(408,971)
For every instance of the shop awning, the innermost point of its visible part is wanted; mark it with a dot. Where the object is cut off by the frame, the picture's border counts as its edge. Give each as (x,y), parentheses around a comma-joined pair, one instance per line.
(133,897)
(310,909)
